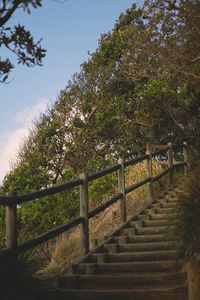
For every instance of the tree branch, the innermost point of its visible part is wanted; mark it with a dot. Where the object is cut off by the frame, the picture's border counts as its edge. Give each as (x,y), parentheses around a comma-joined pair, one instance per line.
(9,13)
(195,59)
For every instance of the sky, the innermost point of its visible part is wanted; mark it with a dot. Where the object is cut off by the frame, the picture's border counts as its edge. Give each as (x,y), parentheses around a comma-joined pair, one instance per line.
(69,29)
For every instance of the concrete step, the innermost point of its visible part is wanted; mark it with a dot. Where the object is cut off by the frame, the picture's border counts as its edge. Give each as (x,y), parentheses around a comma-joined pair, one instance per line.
(135,224)
(146,246)
(145,217)
(149,211)
(172,193)
(170,292)
(120,281)
(151,230)
(166,211)
(169,205)
(135,256)
(176,190)
(129,267)
(121,239)
(161,216)
(146,238)
(128,231)
(171,199)
(139,264)
(155,223)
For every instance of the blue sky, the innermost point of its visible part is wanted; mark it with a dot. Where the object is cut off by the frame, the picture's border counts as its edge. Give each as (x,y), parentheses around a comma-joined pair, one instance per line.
(69,30)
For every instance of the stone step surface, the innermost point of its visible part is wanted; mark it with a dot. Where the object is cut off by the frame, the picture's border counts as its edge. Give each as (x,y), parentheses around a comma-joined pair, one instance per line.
(138,263)
(148,238)
(118,281)
(134,256)
(130,267)
(163,210)
(155,223)
(152,230)
(139,247)
(169,205)
(161,216)
(178,292)
(171,200)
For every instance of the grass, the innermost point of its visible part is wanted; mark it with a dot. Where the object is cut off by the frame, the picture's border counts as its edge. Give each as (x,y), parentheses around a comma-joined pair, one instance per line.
(68,249)
(56,256)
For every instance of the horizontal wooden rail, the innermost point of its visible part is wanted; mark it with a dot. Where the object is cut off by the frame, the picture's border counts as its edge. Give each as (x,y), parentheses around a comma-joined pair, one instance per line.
(104,205)
(103,172)
(175,146)
(159,151)
(83,182)
(47,235)
(49,191)
(137,185)
(136,153)
(180,164)
(4,200)
(163,173)
(136,160)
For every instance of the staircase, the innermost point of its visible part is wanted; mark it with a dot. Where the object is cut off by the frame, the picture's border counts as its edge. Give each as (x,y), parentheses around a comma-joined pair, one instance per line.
(138,263)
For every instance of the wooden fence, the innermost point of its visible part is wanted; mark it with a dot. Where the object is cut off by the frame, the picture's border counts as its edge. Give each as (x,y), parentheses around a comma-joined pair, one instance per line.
(12,200)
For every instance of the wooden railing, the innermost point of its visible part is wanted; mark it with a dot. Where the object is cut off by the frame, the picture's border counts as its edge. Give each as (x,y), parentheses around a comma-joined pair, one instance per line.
(12,200)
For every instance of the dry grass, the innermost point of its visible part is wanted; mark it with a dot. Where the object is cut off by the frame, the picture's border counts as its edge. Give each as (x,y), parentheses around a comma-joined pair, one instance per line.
(68,249)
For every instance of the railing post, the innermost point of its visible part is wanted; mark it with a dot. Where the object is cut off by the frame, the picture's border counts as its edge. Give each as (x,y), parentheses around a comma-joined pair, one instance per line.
(11,223)
(121,186)
(84,213)
(185,155)
(149,172)
(170,163)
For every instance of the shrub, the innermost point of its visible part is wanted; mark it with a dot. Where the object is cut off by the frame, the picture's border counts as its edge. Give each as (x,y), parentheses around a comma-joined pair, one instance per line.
(188,219)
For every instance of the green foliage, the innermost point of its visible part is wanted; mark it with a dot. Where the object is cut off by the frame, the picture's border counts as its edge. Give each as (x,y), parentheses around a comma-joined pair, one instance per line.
(102,188)
(25,178)
(141,84)
(41,215)
(17,39)
(153,98)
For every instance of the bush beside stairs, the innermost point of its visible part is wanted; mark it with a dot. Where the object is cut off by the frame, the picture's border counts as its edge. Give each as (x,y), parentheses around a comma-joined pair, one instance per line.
(139,262)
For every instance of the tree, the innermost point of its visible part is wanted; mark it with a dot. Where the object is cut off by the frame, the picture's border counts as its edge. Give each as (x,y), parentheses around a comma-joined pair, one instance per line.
(127,93)
(166,55)
(136,87)
(18,40)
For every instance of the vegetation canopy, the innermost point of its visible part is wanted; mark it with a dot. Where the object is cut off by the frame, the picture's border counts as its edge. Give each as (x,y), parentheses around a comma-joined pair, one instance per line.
(17,39)
(140,85)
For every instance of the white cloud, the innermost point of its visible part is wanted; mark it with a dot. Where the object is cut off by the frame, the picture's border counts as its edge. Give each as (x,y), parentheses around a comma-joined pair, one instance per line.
(10,141)
(26,116)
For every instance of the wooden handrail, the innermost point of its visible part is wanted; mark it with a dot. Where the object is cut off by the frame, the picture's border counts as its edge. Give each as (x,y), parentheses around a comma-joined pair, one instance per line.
(48,235)
(136,153)
(180,164)
(137,185)
(11,201)
(163,173)
(104,205)
(136,160)
(49,191)
(159,151)
(5,200)
(104,172)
